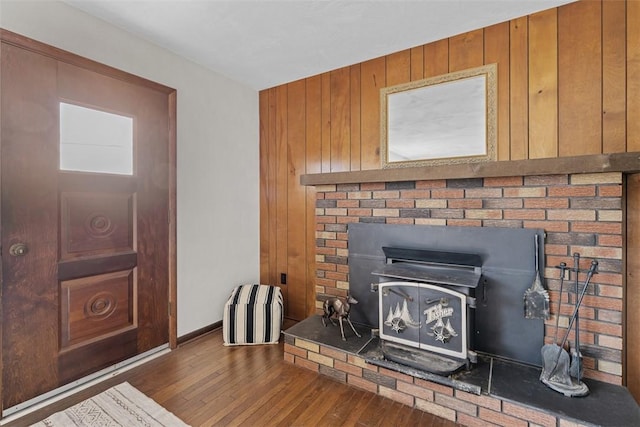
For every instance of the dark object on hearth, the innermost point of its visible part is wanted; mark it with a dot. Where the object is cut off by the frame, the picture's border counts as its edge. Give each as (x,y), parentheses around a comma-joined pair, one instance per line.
(560,371)
(339,308)
(536,298)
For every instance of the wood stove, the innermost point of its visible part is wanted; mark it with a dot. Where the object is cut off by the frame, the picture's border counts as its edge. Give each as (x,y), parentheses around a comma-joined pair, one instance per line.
(427,301)
(481,273)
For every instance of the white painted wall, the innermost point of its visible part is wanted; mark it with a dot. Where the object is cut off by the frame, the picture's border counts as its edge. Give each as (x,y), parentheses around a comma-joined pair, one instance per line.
(218,151)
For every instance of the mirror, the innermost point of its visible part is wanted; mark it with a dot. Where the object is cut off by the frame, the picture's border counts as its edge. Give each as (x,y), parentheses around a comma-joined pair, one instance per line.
(445,119)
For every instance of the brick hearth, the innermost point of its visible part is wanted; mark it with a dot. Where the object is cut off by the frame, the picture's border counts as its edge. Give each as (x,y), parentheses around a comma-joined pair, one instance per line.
(516,399)
(455,405)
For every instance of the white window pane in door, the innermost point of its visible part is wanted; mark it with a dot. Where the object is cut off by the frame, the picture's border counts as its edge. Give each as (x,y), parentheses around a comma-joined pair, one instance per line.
(95,141)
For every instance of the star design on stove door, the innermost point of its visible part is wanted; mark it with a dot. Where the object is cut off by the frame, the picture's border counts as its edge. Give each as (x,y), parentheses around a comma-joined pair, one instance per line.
(398,325)
(444,332)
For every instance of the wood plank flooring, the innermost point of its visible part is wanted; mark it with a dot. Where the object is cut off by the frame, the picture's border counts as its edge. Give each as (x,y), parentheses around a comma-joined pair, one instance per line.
(207,384)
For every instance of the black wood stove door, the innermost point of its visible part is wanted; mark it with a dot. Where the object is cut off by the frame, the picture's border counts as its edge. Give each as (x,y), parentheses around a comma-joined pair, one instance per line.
(424,316)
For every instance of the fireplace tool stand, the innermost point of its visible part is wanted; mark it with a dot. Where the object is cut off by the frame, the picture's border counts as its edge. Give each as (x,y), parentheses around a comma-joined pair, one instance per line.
(561,371)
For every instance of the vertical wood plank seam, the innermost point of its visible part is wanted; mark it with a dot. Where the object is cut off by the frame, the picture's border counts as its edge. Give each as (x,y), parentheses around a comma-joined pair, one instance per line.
(557,82)
(627,62)
(269,186)
(352,121)
(305,245)
(272,187)
(323,117)
(484,50)
(360,113)
(448,54)
(510,90)
(329,136)
(348,108)
(528,152)
(602,108)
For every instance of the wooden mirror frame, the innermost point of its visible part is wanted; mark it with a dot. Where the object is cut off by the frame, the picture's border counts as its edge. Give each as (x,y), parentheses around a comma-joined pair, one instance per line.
(420,92)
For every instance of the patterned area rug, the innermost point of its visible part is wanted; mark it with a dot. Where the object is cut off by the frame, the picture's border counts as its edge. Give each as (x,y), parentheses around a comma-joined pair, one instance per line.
(122,405)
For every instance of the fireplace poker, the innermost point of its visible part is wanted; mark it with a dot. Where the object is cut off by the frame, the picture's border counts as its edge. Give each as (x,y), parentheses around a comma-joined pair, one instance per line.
(563,268)
(577,362)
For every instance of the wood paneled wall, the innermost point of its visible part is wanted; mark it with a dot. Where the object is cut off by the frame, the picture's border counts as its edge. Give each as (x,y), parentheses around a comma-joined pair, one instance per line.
(568,84)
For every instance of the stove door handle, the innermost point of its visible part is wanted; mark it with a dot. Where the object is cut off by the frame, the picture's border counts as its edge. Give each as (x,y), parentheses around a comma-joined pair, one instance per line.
(471,302)
(401,293)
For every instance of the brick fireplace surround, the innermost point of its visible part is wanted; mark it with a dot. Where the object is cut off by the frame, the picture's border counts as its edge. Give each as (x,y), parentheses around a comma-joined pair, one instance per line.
(579,213)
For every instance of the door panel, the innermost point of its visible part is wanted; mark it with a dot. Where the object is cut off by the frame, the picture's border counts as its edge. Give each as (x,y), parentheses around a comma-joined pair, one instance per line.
(93,288)
(96,306)
(94,224)
(73,364)
(29,215)
(92,266)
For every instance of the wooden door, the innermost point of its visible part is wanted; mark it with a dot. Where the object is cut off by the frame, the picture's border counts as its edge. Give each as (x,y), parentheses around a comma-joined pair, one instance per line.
(85,255)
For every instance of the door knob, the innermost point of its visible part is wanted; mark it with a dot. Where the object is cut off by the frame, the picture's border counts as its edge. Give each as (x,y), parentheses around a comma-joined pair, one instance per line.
(18,249)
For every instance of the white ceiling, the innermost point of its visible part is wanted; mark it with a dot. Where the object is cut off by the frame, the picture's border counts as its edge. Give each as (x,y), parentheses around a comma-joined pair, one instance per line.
(267,43)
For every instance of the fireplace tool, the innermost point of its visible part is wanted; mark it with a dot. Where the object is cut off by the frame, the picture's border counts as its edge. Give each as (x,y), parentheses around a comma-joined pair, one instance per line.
(563,269)
(560,372)
(536,298)
(575,369)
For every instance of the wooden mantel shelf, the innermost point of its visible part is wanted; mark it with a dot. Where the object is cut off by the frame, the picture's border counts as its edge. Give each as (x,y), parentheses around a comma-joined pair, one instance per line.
(618,162)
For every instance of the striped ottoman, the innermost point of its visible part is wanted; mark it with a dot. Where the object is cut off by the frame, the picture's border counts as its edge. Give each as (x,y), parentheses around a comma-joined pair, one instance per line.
(253,315)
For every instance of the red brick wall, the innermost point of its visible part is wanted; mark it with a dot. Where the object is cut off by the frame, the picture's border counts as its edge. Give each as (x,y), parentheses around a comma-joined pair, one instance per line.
(580,213)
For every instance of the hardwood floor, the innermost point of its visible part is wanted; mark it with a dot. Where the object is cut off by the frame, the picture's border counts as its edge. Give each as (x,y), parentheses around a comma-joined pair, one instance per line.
(207,384)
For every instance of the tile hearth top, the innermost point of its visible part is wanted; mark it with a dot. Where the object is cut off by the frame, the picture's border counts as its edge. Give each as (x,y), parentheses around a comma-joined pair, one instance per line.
(606,404)
(311,329)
